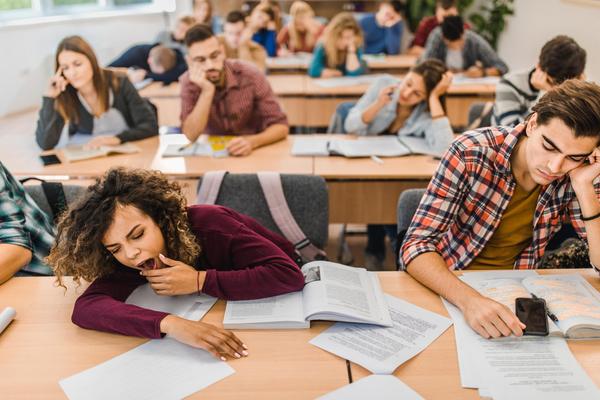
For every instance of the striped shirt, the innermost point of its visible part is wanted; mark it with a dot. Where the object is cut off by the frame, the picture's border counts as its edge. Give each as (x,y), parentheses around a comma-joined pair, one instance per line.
(467,196)
(514,98)
(246,104)
(22,223)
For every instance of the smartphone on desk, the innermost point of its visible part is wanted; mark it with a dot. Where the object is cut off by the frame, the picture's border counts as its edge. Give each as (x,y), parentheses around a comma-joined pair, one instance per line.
(534,314)
(49,159)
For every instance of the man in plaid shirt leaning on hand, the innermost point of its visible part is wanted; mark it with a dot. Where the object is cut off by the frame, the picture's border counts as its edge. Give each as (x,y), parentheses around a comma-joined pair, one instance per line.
(500,194)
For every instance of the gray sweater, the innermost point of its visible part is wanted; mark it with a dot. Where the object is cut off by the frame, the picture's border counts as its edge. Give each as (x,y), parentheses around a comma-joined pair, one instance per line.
(137,112)
(437,132)
(514,98)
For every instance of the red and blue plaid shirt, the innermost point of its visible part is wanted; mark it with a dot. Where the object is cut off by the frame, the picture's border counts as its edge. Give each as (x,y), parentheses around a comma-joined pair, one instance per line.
(467,196)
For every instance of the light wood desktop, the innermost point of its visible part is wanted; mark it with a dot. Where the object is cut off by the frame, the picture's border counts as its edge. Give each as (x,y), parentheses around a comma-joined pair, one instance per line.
(42,346)
(393,64)
(434,372)
(310,105)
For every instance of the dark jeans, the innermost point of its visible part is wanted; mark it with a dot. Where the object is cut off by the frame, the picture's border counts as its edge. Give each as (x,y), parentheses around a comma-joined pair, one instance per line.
(376,239)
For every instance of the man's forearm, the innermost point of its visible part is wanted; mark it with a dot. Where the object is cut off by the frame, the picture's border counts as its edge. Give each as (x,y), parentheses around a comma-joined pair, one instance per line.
(431,271)
(12,259)
(196,121)
(590,206)
(272,134)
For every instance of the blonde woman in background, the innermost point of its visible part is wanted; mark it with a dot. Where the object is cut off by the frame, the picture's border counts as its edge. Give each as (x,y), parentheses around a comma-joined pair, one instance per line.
(302,32)
(339,51)
(203,11)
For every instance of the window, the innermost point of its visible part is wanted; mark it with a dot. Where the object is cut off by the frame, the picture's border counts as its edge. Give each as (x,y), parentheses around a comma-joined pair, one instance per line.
(9,5)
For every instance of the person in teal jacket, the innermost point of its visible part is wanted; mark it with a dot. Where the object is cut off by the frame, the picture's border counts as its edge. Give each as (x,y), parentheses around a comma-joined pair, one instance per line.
(339,51)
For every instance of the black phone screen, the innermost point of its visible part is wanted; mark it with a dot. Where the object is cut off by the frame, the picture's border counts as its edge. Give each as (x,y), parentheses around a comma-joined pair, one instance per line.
(50,159)
(533,313)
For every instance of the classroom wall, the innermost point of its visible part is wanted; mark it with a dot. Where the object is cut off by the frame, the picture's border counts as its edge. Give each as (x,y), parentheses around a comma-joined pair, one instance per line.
(27,51)
(537,21)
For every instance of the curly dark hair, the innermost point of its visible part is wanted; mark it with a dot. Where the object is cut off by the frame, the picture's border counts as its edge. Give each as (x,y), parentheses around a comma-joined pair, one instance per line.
(78,249)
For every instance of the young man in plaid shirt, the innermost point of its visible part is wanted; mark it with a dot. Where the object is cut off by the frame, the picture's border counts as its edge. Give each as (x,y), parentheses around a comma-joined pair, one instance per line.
(26,233)
(501,193)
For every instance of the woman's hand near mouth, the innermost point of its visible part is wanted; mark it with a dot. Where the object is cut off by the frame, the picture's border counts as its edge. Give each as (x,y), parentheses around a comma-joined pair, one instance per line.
(176,279)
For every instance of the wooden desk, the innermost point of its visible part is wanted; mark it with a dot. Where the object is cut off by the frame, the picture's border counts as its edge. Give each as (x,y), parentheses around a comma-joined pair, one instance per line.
(167,101)
(363,191)
(393,64)
(434,372)
(42,346)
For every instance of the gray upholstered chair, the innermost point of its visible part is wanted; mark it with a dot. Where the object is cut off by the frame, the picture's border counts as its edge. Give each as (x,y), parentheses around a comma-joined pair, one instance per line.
(72,192)
(408,201)
(306,195)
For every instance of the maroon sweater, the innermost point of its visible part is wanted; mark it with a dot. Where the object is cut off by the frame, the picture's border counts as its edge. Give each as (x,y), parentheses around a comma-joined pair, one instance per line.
(243,260)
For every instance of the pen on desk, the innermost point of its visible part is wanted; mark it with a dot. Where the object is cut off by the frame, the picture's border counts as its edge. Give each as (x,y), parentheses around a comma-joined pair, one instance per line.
(377,159)
(548,313)
(185,146)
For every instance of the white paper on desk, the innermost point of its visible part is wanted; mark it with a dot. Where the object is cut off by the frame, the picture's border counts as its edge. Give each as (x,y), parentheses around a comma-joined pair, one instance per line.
(160,369)
(383,387)
(310,146)
(381,350)
(534,368)
(382,146)
(464,80)
(344,81)
(190,306)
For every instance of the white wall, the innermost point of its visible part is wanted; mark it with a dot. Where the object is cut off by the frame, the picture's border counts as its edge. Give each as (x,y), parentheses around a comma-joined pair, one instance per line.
(27,52)
(537,21)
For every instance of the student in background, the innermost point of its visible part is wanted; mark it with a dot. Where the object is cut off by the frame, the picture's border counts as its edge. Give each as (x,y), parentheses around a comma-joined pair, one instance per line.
(500,194)
(238,44)
(98,104)
(26,232)
(410,107)
(561,59)
(175,39)
(443,9)
(463,51)
(383,30)
(261,24)
(203,13)
(302,32)
(133,227)
(227,97)
(154,61)
(338,52)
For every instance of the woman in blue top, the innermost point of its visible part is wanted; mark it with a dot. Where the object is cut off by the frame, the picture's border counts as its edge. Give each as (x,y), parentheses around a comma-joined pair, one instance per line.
(263,28)
(339,52)
(410,107)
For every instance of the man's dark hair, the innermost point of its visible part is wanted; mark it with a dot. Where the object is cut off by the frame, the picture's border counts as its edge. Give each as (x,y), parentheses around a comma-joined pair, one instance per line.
(398,6)
(453,27)
(198,33)
(445,4)
(235,16)
(576,103)
(562,58)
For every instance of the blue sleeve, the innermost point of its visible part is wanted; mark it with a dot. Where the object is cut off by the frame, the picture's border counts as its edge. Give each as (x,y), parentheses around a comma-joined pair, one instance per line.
(271,43)
(360,70)
(393,38)
(135,56)
(317,63)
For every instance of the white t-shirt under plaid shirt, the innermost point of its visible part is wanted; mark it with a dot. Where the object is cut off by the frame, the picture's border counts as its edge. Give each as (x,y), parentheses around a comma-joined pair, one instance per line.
(22,223)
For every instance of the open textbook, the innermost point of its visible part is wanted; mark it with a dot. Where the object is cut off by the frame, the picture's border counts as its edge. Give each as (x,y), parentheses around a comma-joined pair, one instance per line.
(344,81)
(332,291)
(207,146)
(382,146)
(81,152)
(570,298)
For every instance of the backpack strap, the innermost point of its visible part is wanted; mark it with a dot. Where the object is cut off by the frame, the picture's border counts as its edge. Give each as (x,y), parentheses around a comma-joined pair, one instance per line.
(272,188)
(210,186)
(55,196)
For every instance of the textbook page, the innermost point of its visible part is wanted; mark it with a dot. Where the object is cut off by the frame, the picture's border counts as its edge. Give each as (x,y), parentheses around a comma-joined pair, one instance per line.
(199,148)
(161,369)
(534,368)
(189,306)
(574,302)
(382,146)
(460,79)
(283,311)
(81,152)
(310,146)
(380,349)
(386,387)
(341,293)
